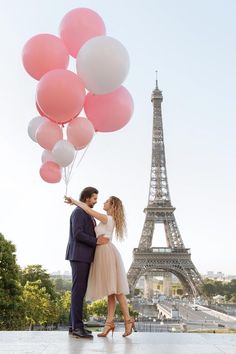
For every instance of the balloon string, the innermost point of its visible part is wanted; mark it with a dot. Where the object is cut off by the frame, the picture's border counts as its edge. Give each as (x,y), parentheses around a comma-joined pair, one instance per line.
(66,188)
(78,163)
(71,165)
(68,171)
(80,160)
(65,179)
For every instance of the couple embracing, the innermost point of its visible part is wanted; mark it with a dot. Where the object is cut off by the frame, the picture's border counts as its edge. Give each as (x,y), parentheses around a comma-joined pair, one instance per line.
(97,267)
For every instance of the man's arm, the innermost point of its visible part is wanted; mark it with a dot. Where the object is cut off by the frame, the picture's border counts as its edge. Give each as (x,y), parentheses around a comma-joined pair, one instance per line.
(77,221)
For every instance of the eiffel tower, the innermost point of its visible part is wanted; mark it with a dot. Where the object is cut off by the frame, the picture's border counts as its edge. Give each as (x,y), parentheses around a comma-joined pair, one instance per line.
(175,258)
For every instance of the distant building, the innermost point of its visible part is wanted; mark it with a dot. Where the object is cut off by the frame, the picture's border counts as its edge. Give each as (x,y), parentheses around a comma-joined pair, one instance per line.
(66,274)
(219,276)
(58,274)
(153,286)
(210,274)
(140,283)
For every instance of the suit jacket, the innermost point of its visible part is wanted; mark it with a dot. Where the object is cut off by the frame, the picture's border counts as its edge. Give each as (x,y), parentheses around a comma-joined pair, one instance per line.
(82,238)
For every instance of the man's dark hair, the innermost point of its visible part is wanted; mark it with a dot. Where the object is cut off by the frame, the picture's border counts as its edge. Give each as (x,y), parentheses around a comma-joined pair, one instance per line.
(87,193)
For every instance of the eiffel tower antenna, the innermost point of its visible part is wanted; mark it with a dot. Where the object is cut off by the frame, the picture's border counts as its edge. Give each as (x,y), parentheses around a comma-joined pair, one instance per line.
(156,81)
(175,258)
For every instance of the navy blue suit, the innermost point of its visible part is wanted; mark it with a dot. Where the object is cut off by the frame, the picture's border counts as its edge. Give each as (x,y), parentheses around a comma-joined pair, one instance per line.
(80,252)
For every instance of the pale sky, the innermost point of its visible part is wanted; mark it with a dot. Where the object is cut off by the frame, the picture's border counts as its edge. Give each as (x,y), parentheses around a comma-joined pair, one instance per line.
(192,45)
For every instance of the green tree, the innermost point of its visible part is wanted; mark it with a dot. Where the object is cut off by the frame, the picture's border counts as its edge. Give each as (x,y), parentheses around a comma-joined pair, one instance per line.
(35,272)
(97,308)
(231,287)
(220,287)
(11,305)
(86,314)
(208,288)
(61,285)
(233,298)
(39,307)
(215,287)
(63,305)
(119,315)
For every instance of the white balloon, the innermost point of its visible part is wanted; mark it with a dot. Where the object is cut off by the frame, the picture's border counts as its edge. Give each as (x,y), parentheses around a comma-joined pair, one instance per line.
(63,152)
(103,64)
(33,126)
(47,156)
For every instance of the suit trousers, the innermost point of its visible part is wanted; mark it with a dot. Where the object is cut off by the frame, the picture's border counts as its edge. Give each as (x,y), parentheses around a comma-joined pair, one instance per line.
(80,272)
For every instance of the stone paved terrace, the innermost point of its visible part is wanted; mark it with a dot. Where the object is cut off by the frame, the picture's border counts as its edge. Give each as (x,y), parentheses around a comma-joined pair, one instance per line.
(58,342)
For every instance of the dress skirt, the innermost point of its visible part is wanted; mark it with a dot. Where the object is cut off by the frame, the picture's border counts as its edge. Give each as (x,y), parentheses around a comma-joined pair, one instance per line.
(107,273)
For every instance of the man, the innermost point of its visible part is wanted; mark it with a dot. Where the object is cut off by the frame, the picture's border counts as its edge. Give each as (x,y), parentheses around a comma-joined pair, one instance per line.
(80,252)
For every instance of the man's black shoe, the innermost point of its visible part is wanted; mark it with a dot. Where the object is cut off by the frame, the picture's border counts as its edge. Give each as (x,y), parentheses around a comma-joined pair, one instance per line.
(81,333)
(87,330)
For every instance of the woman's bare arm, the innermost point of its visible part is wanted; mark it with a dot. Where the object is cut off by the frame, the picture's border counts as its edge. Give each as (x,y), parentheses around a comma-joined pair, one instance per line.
(99,216)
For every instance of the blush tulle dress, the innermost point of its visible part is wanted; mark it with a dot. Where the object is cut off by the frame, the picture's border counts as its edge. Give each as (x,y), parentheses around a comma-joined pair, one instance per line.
(107,273)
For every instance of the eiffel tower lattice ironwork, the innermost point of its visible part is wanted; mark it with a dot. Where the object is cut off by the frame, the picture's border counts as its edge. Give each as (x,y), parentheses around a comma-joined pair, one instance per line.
(174,258)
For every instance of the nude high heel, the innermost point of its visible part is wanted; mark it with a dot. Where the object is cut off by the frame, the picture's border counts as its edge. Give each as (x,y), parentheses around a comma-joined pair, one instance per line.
(109,326)
(129,326)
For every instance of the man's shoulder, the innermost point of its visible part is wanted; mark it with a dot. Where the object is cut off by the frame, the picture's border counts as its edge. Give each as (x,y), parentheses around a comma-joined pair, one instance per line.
(78,212)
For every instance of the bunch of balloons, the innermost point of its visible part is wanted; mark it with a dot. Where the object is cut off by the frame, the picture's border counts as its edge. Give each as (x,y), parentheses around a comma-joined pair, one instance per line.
(102,64)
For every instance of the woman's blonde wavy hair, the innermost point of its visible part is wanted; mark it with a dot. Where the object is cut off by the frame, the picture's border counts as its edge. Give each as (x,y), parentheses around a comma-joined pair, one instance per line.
(118,214)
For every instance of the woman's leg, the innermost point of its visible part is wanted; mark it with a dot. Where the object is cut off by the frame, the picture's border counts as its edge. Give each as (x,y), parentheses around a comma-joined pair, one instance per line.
(124,306)
(109,325)
(111,308)
(129,322)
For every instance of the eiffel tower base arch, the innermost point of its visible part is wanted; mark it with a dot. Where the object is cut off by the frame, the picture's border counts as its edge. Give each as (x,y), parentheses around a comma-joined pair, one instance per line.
(163,259)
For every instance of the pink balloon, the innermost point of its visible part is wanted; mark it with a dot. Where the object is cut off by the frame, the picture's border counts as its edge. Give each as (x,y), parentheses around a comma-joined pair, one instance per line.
(78,26)
(43,53)
(50,172)
(43,114)
(48,134)
(109,112)
(80,132)
(60,95)
(40,111)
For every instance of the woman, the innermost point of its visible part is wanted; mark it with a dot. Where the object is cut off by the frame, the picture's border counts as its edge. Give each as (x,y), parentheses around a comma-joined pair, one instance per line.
(107,275)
